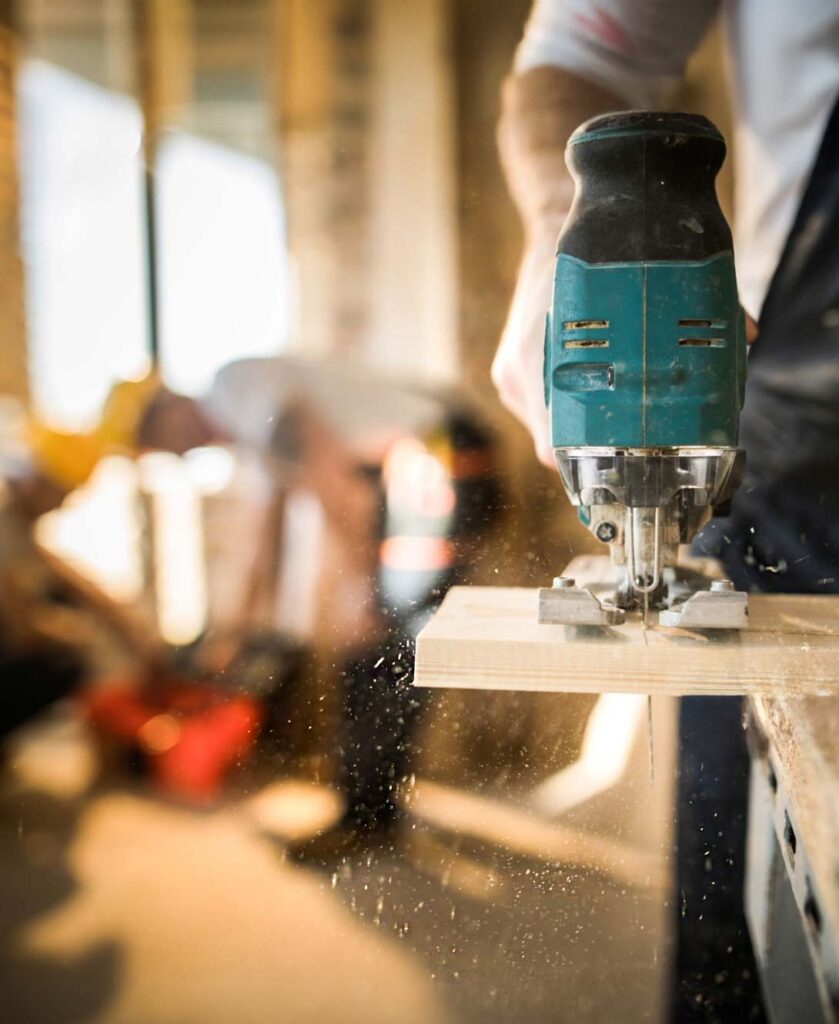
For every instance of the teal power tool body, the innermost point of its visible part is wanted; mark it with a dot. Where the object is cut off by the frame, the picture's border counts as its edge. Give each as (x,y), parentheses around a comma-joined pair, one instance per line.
(645,363)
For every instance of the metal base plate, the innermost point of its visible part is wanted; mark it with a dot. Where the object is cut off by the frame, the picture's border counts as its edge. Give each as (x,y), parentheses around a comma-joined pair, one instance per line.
(721,607)
(565,604)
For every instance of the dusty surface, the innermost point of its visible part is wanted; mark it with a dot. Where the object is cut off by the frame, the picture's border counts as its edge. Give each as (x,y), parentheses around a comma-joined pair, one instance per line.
(118,908)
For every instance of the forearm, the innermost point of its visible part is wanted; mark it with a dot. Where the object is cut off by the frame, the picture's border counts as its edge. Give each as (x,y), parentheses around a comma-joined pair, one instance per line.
(540,108)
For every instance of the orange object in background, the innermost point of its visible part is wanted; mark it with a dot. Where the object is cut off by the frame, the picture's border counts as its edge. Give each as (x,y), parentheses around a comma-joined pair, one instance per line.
(69,459)
(187,734)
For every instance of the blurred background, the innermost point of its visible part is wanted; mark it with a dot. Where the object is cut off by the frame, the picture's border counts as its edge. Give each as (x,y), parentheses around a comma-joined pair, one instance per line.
(255,257)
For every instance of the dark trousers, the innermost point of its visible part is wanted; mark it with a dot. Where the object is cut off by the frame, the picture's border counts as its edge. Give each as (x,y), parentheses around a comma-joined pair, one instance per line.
(716,977)
(380,711)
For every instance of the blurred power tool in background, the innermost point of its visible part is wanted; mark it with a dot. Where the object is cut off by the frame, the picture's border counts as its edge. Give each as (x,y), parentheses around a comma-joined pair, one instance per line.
(645,362)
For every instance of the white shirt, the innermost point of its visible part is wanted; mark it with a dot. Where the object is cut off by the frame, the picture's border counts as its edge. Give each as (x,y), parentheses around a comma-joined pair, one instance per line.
(784,68)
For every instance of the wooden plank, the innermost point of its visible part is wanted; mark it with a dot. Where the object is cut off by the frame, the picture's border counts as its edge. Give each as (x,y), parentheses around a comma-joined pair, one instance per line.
(489,638)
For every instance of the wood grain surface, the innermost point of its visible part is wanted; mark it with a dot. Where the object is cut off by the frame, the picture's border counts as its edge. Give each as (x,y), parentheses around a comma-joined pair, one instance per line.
(489,638)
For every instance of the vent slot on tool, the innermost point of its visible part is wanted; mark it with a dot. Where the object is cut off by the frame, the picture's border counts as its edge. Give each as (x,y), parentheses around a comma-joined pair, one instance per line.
(585,325)
(713,324)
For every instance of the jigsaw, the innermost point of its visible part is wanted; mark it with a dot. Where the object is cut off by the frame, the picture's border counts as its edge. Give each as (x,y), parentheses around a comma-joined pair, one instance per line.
(645,365)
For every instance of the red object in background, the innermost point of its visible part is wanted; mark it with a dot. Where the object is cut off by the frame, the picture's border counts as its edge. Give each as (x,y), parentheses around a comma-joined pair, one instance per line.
(189,733)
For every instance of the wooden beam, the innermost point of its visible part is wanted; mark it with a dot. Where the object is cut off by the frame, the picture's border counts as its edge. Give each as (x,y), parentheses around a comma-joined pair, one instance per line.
(489,638)
(364,104)
(323,110)
(412,194)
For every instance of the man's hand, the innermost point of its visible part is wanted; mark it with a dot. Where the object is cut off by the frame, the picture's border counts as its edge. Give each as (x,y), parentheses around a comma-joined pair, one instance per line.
(517,370)
(540,109)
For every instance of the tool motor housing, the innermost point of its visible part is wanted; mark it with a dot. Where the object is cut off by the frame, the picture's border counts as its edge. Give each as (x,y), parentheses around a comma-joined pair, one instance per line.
(645,341)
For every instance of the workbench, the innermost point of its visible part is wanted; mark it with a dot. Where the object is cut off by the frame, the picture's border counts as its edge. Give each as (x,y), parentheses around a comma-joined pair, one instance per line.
(792,864)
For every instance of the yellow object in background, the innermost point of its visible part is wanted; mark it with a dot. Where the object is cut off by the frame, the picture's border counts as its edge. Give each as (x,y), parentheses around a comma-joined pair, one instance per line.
(69,459)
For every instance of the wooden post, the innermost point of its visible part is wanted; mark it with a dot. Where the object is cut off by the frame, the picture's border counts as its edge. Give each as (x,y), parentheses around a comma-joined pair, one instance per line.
(365,113)
(322,103)
(13,372)
(413,178)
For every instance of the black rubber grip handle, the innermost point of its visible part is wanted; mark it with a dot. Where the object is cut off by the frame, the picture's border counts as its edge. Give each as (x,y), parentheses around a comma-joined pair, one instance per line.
(645,189)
